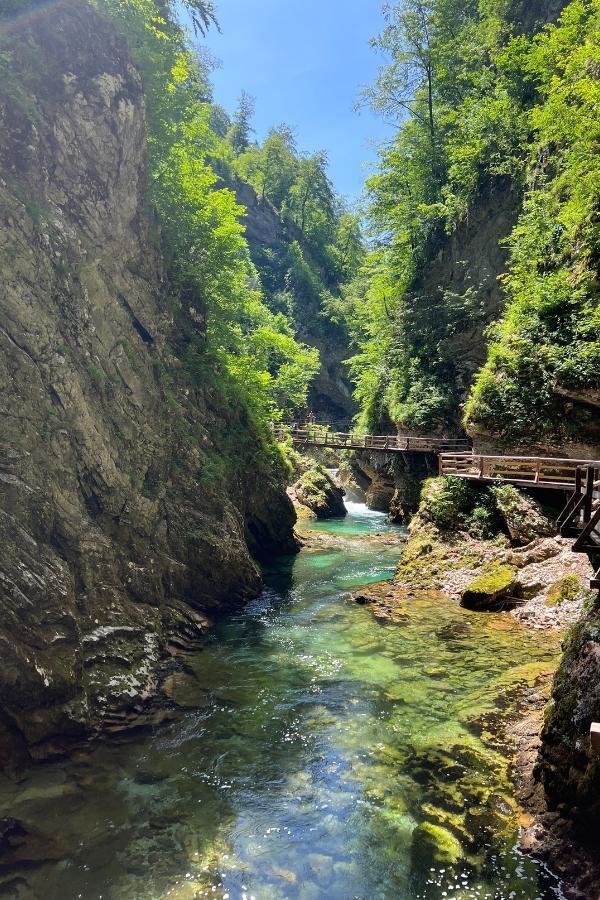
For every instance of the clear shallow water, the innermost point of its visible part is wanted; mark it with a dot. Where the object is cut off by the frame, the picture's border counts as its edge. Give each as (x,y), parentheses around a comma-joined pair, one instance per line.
(314,742)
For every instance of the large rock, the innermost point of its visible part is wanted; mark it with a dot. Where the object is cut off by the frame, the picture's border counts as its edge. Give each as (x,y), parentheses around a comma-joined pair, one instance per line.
(317,490)
(123,521)
(523,516)
(498,588)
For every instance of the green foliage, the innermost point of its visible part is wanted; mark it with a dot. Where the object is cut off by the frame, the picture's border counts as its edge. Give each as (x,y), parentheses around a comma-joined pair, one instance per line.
(321,247)
(239,132)
(548,341)
(476,101)
(232,340)
(446,502)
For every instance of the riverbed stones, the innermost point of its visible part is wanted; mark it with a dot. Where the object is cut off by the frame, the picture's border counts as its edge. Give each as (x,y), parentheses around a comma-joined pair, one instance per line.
(322,868)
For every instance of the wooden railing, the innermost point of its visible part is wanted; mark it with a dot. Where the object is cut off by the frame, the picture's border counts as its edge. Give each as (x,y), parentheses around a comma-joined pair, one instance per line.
(322,436)
(527,471)
(581,517)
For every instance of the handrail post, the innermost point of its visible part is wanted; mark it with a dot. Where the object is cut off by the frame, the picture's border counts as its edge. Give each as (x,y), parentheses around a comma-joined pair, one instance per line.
(589,494)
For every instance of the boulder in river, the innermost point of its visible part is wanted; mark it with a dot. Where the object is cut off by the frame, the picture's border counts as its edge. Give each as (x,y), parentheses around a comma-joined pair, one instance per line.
(317,490)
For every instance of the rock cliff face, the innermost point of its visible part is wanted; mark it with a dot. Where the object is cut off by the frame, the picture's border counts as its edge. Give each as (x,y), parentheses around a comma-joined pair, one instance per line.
(569,766)
(471,260)
(127,514)
(331,392)
(391,484)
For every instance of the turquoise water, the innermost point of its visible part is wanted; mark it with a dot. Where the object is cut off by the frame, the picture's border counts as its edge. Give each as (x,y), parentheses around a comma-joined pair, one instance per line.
(312,742)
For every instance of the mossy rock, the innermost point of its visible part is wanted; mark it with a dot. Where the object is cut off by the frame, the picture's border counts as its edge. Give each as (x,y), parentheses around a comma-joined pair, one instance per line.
(565,590)
(444,504)
(433,845)
(523,516)
(498,588)
(317,490)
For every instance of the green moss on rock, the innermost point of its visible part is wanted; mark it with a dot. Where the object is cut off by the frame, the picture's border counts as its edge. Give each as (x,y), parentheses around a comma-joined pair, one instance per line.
(566,589)
(317,490)
(494,589)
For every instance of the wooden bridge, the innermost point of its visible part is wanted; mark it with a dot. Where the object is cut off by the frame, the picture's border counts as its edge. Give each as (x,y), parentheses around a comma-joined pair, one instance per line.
(581,516)
(324,436)
(581,477)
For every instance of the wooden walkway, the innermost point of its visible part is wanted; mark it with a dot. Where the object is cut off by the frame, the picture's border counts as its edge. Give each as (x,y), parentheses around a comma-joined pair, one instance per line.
(581,517)
(322,436)
(581,477)
(525,471)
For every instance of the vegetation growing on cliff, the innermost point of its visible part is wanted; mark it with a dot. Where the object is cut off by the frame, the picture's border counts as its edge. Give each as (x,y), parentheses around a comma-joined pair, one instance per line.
(480,104)
(321,246)
(236,340)
(548,343)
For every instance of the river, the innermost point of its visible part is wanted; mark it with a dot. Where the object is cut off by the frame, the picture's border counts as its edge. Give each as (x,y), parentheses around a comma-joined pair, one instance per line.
(313,740)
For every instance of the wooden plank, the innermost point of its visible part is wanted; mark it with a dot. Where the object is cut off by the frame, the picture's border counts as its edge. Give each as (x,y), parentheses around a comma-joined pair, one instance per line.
(580,544)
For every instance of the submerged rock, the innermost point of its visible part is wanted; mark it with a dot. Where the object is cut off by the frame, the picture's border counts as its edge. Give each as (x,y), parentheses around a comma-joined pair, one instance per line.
(185,691)
(433,844)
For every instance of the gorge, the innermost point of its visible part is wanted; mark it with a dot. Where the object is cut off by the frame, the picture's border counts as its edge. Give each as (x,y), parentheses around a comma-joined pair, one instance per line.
(216,679)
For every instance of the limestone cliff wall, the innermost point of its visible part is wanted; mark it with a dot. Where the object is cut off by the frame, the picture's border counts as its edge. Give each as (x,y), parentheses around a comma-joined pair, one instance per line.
(569,767)
(330,396)
(123,523)
(472,259)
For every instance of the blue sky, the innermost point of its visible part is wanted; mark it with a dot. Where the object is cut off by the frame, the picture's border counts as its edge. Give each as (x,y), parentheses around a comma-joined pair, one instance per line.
(304,61)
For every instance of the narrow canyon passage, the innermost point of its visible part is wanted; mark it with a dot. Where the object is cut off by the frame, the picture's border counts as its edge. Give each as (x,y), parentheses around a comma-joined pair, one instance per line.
(311,742)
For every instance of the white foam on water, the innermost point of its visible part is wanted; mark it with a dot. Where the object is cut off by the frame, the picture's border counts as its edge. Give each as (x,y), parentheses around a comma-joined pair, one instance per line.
(362,511)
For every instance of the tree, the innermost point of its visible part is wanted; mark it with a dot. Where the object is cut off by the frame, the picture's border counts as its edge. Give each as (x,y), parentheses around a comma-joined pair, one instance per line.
(202,13)
(406,84)
(241,128)
(271,169)
(311,199)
